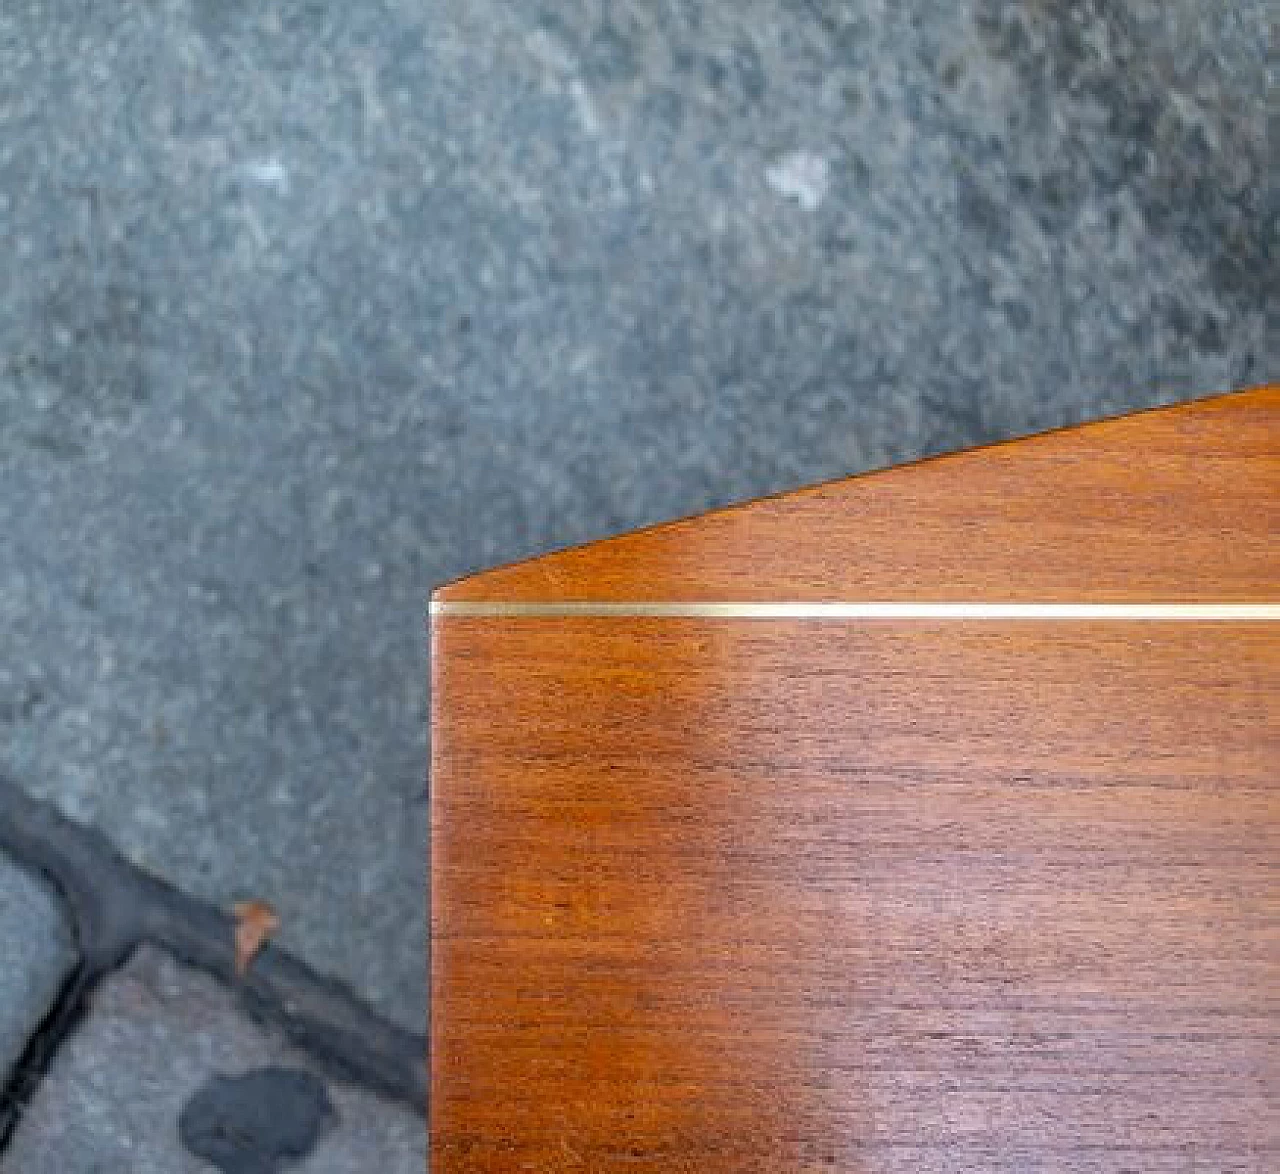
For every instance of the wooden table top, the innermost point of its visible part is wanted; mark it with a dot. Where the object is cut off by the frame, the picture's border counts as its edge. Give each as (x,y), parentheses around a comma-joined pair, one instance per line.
(925,821)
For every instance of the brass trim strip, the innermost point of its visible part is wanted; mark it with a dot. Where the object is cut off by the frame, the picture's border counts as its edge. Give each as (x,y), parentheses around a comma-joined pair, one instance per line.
(1219,612)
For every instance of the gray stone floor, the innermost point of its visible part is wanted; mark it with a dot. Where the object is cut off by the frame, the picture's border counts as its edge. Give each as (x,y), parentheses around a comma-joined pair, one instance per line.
(309,306)
(116,1095)
(36,956)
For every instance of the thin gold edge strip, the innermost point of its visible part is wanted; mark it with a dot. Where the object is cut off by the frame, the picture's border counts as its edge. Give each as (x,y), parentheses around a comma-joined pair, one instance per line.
(1229,612)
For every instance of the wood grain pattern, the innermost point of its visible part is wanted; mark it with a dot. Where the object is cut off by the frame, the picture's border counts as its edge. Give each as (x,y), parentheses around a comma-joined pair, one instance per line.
(1177,503)
(715,895)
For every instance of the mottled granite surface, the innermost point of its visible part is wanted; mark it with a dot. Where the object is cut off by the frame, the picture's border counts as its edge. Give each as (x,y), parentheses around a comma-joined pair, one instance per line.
(310,306)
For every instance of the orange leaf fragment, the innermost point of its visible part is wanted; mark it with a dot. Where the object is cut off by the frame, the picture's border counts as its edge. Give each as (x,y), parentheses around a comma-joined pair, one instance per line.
(256,921)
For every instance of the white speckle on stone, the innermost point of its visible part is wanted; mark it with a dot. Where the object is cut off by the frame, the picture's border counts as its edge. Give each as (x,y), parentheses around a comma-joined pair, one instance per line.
(585,107)
(800,176)
(549,53)
(268,173)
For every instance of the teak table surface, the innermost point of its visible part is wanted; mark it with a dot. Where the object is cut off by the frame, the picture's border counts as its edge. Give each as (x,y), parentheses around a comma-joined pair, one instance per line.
(983,880)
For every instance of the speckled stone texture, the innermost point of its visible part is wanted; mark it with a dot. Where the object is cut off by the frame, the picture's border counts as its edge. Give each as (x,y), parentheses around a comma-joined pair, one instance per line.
(157,1035)
(308,306)
(35,958)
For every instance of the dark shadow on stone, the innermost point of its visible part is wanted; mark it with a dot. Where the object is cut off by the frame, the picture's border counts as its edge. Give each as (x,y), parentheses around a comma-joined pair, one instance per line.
(252,1124)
